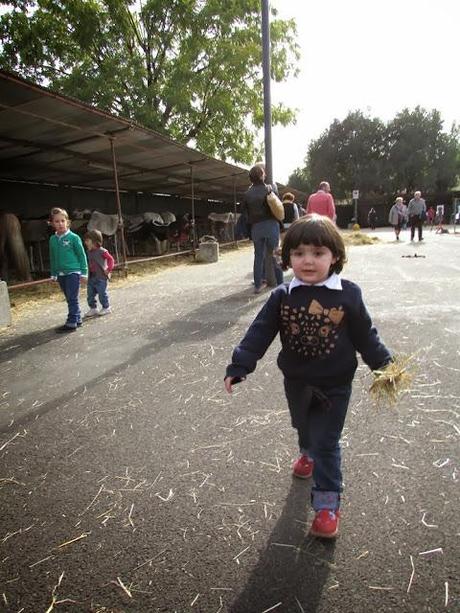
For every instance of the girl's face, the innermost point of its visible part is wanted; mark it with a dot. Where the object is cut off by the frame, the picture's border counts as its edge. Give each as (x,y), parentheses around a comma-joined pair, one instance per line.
(60,223)
(311,264)
(89,244)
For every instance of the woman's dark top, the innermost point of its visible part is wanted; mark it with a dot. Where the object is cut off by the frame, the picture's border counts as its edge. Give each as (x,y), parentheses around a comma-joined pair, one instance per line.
(254,204)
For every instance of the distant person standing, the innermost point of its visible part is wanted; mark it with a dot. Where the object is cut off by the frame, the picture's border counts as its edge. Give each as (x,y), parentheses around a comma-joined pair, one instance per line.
(265,229)
(68,265)
(397,216)
(405,217)
(439,219)
(372,218)
(291,210)
(416,211)
(322,202)
(430,215)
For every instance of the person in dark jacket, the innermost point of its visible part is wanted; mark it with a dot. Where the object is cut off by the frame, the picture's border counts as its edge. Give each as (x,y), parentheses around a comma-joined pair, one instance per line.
(372,218)
(291,210)
(265,229)
(322,321)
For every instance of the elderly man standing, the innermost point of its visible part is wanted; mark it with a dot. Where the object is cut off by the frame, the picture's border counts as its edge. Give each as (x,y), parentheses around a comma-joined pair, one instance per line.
(322,201)
(416,211)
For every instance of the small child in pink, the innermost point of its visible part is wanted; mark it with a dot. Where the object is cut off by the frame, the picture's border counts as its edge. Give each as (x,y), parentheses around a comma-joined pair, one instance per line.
(100,264)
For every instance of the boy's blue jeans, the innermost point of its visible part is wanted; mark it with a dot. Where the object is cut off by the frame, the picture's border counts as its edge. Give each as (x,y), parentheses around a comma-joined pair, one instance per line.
(97,287)
(70,285)
(319,428)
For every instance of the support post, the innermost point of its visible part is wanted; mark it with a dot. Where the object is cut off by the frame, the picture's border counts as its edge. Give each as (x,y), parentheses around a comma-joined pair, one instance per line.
(194,241)
(120,216)
(235,240)
(267,93)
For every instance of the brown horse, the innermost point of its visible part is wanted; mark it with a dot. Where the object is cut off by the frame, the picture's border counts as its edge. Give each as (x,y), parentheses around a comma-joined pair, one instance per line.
(13,254)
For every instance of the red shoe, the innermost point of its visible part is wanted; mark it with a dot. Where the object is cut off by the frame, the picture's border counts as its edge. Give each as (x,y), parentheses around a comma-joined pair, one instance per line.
(326,524)
(303,467)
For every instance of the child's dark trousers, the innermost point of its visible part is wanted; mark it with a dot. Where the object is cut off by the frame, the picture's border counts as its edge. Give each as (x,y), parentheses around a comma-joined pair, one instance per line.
(318,416)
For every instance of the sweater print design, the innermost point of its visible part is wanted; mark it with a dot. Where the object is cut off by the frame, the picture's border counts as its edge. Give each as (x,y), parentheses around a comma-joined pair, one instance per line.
(311,331)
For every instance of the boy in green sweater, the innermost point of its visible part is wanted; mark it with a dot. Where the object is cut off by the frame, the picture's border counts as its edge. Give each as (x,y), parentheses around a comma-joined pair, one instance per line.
(68,265)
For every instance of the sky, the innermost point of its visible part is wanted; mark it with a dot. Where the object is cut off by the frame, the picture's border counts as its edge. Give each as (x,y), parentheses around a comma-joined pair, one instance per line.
(378,57)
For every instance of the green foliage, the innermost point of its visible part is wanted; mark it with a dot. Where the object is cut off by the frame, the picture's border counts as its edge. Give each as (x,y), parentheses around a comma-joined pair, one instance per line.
(410,152)
(187,68)
(420,154)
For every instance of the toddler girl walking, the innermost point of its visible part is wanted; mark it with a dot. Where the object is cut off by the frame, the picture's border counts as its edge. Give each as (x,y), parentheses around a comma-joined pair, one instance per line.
(322,321)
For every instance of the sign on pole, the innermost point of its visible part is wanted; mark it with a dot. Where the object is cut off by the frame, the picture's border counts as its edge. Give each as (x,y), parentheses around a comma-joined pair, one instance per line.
(355,194)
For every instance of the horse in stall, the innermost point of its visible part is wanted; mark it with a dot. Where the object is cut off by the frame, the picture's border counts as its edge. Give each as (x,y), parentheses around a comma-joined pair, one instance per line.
(153,233)
(223,226)
(36,233)
(13,253)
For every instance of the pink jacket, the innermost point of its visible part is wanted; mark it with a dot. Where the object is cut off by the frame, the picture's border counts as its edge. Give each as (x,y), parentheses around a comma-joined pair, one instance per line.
(321,203)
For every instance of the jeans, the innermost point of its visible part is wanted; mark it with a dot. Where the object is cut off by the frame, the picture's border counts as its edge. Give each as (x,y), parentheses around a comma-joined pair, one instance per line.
(97,287)
(265,236)
(70,285)
(319,428)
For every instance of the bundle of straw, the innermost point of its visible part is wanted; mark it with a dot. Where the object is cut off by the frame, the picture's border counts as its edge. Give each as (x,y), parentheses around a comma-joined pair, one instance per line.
(392,380)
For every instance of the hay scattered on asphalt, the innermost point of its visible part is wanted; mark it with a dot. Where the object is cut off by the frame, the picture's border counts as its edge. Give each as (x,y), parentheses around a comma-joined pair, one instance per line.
(74,540)
(390,382)
(126,590)
(412,574)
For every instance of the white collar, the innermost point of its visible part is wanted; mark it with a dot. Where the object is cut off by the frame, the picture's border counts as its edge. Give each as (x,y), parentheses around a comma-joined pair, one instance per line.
(62,235)
(332,282)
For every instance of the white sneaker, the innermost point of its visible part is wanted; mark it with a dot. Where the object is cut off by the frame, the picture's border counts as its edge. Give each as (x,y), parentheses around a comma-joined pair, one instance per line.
(105,311)
(90,313)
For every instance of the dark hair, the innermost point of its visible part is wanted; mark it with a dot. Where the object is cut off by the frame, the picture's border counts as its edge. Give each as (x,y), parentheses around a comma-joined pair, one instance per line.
(95,236)
(256,174)
(314,230)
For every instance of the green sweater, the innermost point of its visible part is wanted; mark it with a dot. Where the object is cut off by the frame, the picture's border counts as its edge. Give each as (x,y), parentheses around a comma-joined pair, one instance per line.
(67,255)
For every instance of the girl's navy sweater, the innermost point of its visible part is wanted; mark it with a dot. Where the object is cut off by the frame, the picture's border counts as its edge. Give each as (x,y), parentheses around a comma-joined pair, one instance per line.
(321,330)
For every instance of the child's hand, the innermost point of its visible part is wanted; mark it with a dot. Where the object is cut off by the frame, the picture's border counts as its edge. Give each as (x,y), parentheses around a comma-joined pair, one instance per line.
(84,280)
(109,276)
(229,381)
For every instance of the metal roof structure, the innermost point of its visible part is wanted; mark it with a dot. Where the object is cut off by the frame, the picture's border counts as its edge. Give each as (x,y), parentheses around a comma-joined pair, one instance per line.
(48,138)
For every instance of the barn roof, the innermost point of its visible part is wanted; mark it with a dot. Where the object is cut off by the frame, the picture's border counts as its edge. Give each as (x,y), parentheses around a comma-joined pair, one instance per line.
(53,139)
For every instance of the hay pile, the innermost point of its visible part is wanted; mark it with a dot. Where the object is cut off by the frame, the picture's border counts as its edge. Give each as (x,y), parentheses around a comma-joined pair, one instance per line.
(359,238)
(390,382)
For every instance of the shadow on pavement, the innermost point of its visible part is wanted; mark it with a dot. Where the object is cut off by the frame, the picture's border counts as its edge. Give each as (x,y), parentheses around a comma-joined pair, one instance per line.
(14,346)
(201,324)
(294,567)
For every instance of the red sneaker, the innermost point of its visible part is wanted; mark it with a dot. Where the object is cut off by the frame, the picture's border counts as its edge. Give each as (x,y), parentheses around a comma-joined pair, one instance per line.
(303,467)
(326,524)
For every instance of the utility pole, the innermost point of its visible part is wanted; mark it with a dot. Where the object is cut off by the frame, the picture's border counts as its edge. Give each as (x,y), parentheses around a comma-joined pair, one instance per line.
(267,94)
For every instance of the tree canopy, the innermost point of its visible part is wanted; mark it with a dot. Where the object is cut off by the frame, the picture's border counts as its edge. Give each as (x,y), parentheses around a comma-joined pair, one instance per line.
(187,68)
(409,152)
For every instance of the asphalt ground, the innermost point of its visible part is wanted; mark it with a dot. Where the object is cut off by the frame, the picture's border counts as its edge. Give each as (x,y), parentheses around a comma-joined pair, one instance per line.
(130,481)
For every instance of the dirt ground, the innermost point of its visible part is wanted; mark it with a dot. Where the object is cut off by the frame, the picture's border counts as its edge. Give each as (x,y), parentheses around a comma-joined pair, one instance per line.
(131,482)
